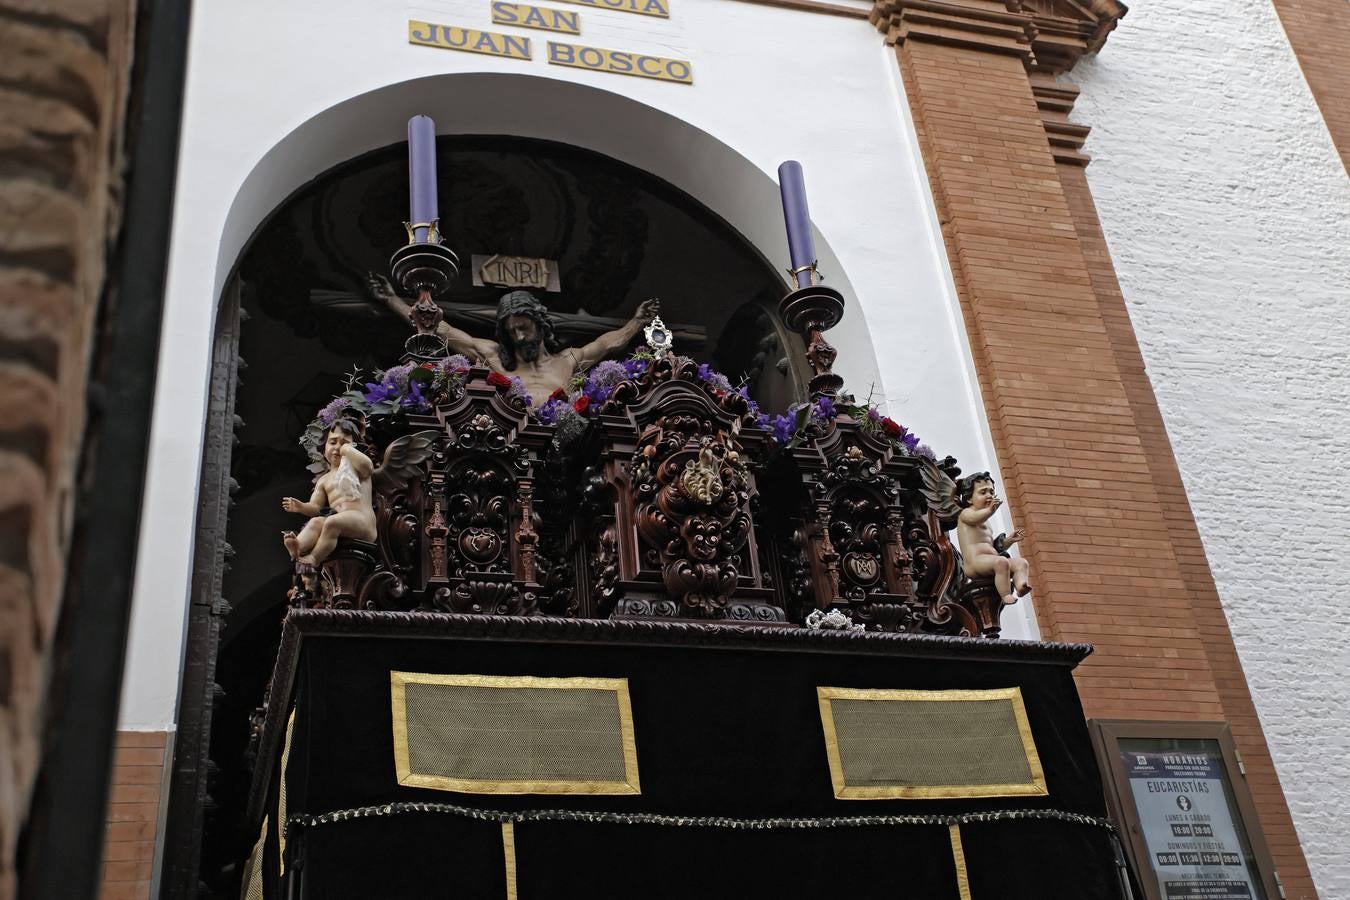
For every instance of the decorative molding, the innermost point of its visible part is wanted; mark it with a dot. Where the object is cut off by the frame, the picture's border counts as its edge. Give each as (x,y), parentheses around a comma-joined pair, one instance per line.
(1055,100)
(1068,29)
(1048,35)
(980,24)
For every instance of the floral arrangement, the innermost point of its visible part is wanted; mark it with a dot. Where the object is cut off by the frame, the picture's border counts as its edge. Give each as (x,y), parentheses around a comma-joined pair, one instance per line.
(411,387)
(417,387)
(569,409)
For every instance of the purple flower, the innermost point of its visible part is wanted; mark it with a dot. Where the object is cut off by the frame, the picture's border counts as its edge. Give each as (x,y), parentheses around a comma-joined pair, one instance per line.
(925,450)
(608,374)
(413,398)
(398,375)
(457,364)
(744,392)
(378,393)
(762,420)
(710,376)
(824,410)
(548,413)
(518,390)
(333,411)
(910,441)
(873,414)
(634,367)
(784,427)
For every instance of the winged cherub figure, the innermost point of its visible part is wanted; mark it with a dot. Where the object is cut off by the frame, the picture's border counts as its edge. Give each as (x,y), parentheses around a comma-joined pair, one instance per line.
(346,489)
(982,554)
(969,503)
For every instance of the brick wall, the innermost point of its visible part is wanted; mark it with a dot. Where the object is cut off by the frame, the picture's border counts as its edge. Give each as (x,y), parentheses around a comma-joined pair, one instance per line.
(1319,32)
(64,68)
(1114,549)
(133,815)
(1069,444)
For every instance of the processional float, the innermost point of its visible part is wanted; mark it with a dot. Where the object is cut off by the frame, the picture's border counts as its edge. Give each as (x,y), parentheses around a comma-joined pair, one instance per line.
(643,637)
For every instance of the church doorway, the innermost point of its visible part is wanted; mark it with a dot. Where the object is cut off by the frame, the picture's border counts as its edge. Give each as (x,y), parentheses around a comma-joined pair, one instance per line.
(597,235)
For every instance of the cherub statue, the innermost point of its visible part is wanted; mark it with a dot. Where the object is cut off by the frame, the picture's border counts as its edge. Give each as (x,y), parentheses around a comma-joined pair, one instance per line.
(982,554)
(968,504)
(346,489)
(524,344)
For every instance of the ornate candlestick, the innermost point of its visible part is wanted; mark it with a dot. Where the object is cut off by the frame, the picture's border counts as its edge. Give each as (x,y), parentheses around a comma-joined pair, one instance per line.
(425,267)
(811,309)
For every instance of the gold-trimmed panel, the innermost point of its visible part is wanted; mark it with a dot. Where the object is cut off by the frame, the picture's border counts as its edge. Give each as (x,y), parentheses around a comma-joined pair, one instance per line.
(494,734)
(901,744)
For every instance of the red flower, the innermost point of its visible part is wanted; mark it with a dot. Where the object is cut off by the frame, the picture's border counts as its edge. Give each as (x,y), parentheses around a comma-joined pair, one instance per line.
(558,394)
(430,367)
(582,403)
(891,427)
(497,379)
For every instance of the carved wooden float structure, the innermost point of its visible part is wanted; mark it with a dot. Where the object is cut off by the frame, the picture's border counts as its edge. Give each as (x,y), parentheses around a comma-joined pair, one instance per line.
(673,505)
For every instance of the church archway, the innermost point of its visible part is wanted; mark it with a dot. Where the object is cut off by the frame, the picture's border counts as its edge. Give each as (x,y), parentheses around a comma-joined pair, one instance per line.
(618,228)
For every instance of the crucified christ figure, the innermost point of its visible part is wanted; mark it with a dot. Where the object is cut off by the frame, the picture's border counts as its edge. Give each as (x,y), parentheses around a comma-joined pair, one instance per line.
(524,344)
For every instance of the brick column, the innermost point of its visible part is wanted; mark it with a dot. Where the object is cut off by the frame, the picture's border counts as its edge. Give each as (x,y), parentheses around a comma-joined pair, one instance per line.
(1078,480)
(1115,554)
(1056,99)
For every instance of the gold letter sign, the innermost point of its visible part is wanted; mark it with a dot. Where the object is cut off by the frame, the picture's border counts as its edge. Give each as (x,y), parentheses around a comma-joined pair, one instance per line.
(540,17)
(452,37)
(641,7)
(621,62)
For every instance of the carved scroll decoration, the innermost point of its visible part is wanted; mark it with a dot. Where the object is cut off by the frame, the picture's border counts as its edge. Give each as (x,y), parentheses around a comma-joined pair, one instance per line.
(691,496)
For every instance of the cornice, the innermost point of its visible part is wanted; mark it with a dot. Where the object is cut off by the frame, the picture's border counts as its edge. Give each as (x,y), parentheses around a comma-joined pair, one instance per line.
(982,24)
(1050,36)
(1055,99)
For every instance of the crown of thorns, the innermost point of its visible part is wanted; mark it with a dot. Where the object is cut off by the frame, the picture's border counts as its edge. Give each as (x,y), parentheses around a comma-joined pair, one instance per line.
(521,303)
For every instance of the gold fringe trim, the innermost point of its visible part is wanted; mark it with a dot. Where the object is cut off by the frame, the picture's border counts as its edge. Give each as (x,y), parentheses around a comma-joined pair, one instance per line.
(959,858)
(509,852)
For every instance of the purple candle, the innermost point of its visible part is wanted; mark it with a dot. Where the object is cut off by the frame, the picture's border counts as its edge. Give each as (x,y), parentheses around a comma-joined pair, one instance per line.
(422,175)
(801,247)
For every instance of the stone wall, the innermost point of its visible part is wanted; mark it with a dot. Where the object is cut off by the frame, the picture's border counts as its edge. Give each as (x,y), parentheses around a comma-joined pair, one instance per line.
(64,70)
(1227,211)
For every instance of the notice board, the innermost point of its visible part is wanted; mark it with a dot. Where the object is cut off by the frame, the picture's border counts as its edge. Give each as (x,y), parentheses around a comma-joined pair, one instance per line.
(1178,794)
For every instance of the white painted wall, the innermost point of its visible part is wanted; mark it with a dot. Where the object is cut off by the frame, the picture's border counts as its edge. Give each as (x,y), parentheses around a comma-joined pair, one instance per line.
(1228,215)
(279,92)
